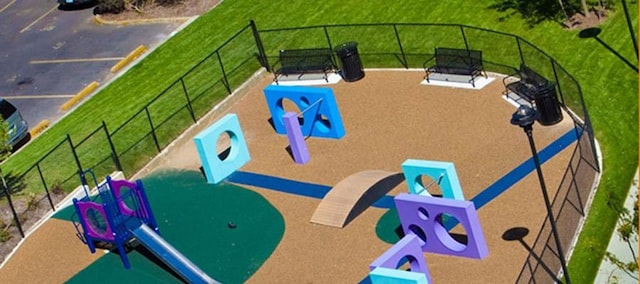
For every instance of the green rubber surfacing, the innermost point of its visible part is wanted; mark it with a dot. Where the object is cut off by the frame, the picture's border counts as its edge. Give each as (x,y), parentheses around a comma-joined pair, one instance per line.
(194,217)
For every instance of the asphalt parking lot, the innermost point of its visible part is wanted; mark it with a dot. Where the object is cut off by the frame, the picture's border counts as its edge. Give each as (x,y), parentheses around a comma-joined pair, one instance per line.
(48,55)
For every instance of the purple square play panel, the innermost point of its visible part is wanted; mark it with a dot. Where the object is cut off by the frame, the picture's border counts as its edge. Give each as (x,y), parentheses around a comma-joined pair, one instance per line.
(424,215)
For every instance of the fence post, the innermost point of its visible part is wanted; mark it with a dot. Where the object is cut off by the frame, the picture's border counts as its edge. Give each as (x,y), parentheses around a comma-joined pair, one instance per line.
(114,154)
(153,131)
(464,38)
(261,54)
(520,50)
(13,209)
(326,35)
(46,188)
(75,155)
(225,81)
(404,57)
(189,106)
(630,27)
(555,76)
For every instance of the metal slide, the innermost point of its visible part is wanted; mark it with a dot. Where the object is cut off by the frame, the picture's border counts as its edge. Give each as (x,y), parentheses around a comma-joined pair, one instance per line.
(170,256)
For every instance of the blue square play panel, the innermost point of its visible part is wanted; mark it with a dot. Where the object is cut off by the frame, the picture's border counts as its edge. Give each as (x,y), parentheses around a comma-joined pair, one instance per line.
(217,167)
(318,108)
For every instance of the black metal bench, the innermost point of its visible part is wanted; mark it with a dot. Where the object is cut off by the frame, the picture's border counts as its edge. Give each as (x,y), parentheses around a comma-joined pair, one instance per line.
(530,83)
(303,61)
(455,61)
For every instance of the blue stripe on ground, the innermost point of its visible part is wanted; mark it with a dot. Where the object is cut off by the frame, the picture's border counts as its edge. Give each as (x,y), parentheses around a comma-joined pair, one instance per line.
(519,172)
(384,202)
(294,187)
(280,184)
(319,191)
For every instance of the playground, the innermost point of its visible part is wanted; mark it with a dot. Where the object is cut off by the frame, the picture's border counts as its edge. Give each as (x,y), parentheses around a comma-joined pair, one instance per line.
(255,226)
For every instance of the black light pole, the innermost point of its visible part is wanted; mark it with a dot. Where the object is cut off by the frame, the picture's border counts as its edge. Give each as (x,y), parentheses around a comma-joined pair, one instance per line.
(524,117)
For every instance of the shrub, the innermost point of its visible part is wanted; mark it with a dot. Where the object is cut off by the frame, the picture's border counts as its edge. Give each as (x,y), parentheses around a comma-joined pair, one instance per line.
(109,7)
(5,235)
(32,201)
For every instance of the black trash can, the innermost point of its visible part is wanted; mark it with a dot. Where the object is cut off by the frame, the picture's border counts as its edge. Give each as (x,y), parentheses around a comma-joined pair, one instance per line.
(547,105)
(350,61)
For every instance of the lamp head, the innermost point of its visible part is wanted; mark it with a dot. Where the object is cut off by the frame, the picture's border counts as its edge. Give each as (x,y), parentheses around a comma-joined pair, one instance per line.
(524,116)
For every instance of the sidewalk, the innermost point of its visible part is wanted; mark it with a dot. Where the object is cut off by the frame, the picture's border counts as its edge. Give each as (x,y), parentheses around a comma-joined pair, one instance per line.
(609,273)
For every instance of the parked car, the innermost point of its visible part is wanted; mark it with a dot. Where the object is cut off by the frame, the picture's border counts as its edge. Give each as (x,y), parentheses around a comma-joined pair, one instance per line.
(18,128)
(76,3)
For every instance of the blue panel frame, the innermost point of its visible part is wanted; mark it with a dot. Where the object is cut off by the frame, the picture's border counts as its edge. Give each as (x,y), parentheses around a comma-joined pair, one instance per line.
(443,172)
(321,117)
(215,168)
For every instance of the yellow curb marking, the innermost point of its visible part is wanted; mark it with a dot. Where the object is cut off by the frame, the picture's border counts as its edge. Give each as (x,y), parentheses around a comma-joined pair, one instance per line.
(39,18)
(82,94)
(50,61)
(99,20)
(39,128)
(132,56)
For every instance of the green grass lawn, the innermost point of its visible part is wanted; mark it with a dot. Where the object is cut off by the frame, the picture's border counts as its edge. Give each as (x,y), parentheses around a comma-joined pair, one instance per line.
(609,84)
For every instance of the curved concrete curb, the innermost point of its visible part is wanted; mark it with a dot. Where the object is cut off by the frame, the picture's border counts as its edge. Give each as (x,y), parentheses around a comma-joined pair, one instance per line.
(78,97)
(98,19)
(130,57)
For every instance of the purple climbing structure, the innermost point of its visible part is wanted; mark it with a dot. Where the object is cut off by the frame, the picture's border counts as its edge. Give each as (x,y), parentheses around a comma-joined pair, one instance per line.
(110,216)
(296,140)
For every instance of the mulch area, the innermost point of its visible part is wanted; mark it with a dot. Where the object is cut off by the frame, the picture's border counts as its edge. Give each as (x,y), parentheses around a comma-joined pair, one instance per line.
(30,209)
(186,8)
(389,117)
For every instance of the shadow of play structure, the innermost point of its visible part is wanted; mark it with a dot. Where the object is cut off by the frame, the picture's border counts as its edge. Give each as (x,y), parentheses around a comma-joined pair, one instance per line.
(120,215)
(426,220)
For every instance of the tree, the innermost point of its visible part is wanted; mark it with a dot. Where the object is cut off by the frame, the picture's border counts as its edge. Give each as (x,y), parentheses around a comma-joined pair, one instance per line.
(5,148)
(561,11)
(628,232)
(535,12)
(585,7)
(564,11)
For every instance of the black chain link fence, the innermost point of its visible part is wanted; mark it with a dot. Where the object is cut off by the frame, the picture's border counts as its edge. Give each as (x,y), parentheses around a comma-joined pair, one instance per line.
(133,144)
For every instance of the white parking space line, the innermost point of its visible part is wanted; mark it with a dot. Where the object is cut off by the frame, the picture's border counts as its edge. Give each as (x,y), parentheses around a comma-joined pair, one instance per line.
(39,18)
(74,60)
(7,6)
(37,97)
